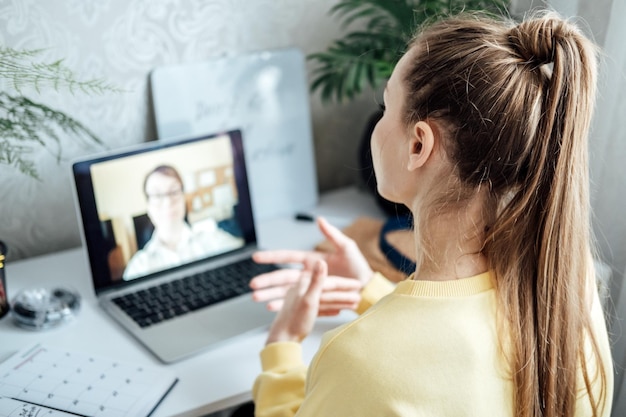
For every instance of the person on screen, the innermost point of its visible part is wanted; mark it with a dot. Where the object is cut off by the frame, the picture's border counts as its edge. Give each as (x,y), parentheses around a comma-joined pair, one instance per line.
(174,241)
(484,138)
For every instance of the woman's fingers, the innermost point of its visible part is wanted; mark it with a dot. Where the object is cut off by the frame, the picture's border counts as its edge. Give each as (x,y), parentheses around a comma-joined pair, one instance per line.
(275,284)
(300,306)
(320,272)
(285,256)
(340,298)
(275,279)
(287,277)
(328,301)
(334,283)
(335,294)
(328,313)
(275,305)
(270,294)
(333,234)
(334,309)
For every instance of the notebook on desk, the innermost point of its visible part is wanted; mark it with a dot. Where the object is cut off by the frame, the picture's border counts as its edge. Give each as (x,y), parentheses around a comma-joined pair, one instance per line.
(169,233)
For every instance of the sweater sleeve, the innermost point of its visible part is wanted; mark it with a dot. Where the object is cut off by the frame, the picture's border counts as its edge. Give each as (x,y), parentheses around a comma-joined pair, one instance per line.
(279,390)
(377,288)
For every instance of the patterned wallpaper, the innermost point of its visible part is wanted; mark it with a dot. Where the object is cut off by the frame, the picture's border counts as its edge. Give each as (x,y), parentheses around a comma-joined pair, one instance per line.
(121,41)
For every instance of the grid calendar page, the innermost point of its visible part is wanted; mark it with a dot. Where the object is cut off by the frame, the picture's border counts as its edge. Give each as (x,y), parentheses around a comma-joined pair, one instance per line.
(60,382)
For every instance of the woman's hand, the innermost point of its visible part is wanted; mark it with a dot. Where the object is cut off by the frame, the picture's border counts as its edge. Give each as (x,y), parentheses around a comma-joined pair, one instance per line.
(348,269)
(296,318)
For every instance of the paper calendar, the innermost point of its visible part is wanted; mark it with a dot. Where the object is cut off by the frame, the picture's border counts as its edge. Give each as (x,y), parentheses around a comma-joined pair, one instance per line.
(15,408)
(40,381)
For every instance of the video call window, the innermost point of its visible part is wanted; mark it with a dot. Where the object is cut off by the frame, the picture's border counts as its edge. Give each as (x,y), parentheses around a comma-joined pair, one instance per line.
(166,208)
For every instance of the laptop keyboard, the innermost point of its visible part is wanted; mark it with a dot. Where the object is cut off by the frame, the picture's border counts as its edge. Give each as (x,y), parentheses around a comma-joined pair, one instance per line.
(175,298)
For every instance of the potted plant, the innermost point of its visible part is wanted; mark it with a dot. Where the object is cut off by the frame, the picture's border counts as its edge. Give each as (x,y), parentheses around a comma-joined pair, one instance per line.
(366,55)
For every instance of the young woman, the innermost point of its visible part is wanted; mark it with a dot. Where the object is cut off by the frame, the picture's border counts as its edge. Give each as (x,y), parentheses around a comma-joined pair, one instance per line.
(484,138)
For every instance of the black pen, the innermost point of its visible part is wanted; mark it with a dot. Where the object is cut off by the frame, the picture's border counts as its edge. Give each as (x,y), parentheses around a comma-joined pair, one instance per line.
(304,217)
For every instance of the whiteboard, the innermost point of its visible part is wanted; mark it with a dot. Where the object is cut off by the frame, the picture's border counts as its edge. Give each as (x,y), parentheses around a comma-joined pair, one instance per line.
(265,95)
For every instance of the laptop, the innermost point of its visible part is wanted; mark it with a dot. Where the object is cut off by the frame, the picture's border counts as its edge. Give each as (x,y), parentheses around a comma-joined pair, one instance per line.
(169,233)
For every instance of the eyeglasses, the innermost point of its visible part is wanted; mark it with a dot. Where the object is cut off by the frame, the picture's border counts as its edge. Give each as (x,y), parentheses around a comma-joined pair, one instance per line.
(158,198)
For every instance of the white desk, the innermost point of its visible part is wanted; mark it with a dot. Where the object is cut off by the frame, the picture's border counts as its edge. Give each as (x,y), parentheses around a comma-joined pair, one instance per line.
(212,381)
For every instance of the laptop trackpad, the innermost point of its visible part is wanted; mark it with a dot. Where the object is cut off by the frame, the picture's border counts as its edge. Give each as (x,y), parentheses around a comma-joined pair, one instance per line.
(192,333)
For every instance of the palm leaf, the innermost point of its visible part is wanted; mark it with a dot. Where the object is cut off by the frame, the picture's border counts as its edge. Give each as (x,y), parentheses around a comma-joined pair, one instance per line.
(366,57)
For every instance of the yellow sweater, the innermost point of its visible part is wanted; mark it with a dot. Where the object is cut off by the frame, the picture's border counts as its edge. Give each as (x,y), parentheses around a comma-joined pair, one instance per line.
(426,349)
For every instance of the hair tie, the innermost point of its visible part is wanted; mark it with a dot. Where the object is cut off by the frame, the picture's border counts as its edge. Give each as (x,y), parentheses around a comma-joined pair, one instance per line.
(535,41)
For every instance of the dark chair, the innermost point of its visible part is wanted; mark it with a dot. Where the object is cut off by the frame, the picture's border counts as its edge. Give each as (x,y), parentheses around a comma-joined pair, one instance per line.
(143,230)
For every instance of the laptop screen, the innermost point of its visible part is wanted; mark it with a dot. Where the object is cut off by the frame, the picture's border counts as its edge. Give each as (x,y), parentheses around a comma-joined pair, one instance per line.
(163,205)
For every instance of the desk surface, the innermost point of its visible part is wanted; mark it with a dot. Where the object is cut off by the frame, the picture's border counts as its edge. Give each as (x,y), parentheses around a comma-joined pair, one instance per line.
(214,380)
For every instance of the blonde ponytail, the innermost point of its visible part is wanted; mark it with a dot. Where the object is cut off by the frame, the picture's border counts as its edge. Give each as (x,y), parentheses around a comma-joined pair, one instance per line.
(558,197)
(518,101)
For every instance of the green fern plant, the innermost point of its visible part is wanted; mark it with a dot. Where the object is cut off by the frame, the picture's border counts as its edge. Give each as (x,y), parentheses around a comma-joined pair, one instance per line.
(24,123)
(367,56)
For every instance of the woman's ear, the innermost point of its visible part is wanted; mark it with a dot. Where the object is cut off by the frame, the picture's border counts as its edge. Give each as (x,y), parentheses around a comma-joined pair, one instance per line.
(421,144)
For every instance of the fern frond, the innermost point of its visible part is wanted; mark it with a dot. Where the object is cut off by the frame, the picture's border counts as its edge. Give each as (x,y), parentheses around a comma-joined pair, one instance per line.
(20,70)
(25,124)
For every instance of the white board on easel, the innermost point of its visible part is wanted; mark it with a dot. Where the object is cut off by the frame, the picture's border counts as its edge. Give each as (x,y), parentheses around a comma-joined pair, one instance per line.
(264,94)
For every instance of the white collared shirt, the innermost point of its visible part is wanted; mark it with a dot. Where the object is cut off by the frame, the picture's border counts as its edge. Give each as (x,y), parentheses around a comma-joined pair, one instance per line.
(195,243)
